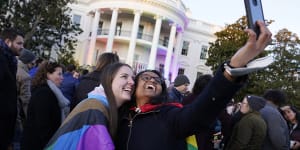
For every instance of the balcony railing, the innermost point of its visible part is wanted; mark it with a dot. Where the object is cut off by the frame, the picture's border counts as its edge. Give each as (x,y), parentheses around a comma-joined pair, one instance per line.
(139,66)
(127,33)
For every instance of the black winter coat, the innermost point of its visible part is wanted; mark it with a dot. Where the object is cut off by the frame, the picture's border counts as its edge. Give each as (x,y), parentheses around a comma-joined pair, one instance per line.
(86,84)
(44,118)
(8,95)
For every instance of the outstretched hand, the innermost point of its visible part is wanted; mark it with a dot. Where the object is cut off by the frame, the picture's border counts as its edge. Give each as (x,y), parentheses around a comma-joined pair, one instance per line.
(253,47)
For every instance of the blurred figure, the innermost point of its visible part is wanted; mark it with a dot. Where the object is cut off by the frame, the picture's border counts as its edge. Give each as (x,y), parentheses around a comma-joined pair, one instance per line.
(76,74)
(69,83)
(205,136)
(91,80)
(24,92)
(24,80)
(33,70)
(11,45)
(47,107)
(278,132)
(179,89)
(250,131)
(292,116)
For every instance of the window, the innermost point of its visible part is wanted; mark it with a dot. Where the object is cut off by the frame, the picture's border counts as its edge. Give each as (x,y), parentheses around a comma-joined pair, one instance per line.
(161,69)
(165,41)
(140,32)
(180,71)
(203,52)
(99,31)
(118,29)
(136,57)
(185,48)
(76,19)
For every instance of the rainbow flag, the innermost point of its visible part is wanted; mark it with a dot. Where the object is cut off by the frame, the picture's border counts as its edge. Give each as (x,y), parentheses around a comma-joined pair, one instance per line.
(85,128)
(191,143)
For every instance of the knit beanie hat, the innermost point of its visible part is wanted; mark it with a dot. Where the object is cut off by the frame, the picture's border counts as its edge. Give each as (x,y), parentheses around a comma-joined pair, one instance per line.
(26,56)
(255,102)
(180,80)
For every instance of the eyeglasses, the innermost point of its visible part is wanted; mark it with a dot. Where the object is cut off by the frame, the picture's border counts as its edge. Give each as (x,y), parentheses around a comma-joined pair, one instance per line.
(146,77)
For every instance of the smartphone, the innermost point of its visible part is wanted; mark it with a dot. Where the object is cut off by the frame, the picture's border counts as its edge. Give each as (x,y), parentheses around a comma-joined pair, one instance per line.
(254,12)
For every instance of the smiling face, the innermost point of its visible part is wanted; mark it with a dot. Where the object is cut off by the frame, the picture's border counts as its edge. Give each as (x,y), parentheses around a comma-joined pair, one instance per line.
(289,114)
(148,86)
(56,77)
(123,85)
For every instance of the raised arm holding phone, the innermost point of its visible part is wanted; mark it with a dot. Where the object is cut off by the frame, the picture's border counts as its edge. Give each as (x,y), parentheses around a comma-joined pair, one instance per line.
(150,123)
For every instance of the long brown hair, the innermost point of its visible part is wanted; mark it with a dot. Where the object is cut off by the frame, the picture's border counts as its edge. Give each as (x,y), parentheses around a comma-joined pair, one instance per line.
(41,74)
(106,59)
(107,77)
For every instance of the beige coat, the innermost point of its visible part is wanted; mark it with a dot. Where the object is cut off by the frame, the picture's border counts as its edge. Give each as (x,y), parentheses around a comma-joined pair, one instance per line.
(23,86)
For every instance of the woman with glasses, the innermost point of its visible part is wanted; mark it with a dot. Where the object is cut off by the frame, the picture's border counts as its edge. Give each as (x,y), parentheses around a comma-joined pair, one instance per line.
(149,123)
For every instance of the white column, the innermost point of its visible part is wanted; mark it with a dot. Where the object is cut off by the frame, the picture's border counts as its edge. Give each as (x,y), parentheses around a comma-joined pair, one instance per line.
(170,50)
(135,27)
(153,52)
(112,28)
(176,54)
(91,50)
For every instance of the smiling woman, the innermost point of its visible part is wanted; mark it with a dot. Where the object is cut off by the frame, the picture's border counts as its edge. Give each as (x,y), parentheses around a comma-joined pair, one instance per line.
(93,122)
(148,122)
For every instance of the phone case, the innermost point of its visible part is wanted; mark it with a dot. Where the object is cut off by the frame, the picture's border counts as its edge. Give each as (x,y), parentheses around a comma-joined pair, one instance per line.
(254,12)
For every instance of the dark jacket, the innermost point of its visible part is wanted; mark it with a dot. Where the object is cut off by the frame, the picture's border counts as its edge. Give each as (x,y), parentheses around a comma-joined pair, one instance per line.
(68,86)
(44,118)
(205,136)
(174,95)
(86,84)
(249,133)
(166,127)
(294,133)
(8,95)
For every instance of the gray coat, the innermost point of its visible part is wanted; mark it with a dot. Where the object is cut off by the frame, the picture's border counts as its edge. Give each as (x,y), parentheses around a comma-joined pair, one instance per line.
(277,130)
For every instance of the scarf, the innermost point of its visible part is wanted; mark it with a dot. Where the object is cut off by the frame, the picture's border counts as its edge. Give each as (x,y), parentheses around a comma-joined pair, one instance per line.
(63,102)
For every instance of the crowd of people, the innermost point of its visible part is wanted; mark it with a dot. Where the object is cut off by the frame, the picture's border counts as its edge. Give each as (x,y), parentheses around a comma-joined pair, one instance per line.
(46,105)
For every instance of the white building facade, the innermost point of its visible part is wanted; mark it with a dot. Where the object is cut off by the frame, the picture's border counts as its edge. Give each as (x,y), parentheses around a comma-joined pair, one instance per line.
(146,34)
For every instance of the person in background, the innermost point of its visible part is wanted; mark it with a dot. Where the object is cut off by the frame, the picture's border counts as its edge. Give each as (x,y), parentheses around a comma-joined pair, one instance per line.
(278,132)
(11,45)
(93,122)
(91,80)
(76,75)
(24,92)
(204,137)
(24,80)
(250,131)
(69,83)
(292,116)
(148,123)
(37,63)
(47,107)
(179,89)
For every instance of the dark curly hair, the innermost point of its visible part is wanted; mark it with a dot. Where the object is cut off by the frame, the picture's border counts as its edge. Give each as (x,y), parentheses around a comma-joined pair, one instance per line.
(162,97)
(278,97)
(41,74)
